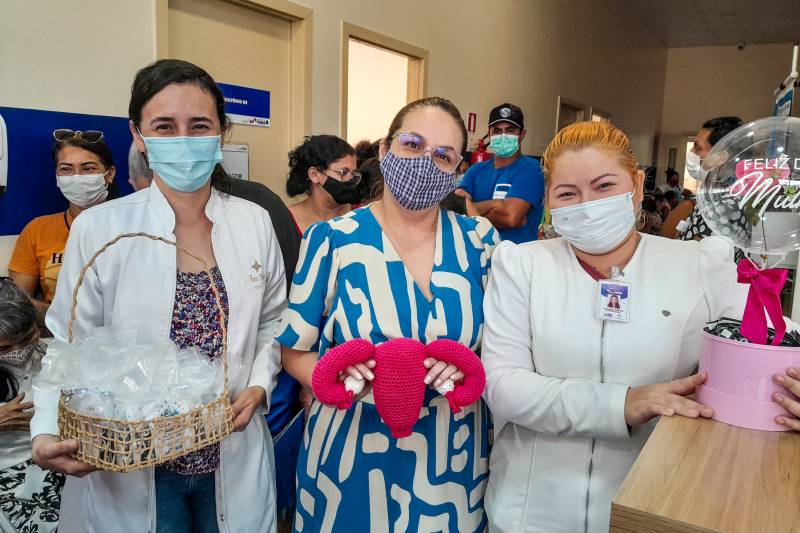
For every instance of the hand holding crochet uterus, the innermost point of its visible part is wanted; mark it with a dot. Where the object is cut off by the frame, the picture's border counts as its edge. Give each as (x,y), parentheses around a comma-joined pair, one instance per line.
(398,386)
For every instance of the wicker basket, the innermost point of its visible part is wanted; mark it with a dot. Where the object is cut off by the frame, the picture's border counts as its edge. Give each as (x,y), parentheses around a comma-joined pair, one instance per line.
(121,445)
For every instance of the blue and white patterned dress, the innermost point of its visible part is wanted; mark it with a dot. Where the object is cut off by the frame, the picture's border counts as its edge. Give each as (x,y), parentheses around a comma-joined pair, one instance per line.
(352,475)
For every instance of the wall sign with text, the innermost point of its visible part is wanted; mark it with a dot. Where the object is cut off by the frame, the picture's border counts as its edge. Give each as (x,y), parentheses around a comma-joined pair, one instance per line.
(246,105)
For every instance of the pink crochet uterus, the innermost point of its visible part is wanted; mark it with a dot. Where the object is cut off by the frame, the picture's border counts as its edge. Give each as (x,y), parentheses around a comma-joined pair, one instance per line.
(399,387)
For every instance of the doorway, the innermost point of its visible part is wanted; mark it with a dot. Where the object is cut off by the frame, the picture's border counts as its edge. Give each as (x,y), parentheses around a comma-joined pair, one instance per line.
(379,76)
(569,112)
(249,46)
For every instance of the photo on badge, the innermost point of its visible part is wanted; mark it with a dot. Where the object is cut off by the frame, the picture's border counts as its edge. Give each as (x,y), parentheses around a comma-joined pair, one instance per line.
(613,301)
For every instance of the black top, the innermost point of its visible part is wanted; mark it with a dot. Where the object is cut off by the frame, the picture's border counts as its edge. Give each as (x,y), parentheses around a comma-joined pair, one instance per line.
(282,220)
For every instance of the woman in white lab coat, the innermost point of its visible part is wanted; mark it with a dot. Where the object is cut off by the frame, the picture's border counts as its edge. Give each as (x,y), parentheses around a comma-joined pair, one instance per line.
(574,395)
(177,119)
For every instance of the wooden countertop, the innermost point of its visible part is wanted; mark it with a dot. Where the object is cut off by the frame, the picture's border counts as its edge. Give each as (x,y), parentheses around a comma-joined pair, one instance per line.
(703,475)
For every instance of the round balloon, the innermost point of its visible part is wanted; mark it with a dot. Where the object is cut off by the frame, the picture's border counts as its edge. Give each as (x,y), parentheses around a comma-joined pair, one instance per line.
(751,191)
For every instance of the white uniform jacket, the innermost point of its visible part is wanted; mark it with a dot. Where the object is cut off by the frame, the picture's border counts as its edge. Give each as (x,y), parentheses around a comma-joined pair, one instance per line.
(557,376)
(133,285)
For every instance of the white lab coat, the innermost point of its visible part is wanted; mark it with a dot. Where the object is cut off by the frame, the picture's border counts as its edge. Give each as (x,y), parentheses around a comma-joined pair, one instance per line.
(133,284)
(557,377)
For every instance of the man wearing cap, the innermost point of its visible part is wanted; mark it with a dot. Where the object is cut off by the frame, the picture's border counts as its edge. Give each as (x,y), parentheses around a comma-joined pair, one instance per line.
(508,190)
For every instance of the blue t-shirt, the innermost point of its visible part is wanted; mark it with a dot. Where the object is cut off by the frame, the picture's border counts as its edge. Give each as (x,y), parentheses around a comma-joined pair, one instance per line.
(522,179)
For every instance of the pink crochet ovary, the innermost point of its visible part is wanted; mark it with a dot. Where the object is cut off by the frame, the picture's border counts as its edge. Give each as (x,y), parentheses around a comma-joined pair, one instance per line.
(398,387)
(470,364)
(325,379)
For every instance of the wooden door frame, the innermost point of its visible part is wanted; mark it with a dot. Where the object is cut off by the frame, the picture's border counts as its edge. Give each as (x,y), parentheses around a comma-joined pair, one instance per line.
(417,65)
(301,20)
(572,103)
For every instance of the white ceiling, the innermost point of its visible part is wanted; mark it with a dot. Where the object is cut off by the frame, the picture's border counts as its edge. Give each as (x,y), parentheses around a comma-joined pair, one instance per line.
(680,23)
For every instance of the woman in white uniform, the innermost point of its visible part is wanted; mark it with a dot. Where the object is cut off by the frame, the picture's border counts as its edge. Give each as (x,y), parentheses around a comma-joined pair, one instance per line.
(177,119)
(574,395)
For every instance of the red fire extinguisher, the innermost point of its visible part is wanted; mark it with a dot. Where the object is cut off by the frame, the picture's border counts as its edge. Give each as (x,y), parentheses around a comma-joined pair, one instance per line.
(480,154)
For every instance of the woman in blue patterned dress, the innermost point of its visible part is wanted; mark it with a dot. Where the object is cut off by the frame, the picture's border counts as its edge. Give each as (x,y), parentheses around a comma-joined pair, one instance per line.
(401,267)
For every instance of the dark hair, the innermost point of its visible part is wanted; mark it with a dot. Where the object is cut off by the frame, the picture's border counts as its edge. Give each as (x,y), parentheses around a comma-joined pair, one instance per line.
(371,179)
(317,151)
(649,204)
(671,172)
(720,127)
(17,321)
(366,150)
(432,101)
(157,76)
(99,148)
(670,196)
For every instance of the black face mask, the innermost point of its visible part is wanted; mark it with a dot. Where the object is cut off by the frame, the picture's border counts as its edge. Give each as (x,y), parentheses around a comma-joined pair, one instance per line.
(343,192)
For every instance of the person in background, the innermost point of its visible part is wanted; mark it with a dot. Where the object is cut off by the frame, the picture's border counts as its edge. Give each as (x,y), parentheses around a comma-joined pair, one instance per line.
(402,267)
(649,221)
(712,131)
(139,173)
(29,496)
(366,150)
(84,173)
(662,204)
(572,397)
(672,183)
(679,213)
(371,185)
(323,167)
(672,198)
(509,189)
(177,117)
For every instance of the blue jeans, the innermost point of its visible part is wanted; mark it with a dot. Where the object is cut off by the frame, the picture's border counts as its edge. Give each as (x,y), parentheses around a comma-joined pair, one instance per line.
(185,504)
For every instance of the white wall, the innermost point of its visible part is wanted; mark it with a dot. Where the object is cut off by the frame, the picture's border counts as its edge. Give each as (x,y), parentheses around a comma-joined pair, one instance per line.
(81,57)
(524,51)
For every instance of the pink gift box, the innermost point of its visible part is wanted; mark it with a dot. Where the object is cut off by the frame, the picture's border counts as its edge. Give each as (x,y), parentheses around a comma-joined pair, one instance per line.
(739,386)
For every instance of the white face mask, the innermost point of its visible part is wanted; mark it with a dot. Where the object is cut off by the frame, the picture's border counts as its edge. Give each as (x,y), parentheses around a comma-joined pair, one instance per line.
(694,167)
(596,227)
(83,190)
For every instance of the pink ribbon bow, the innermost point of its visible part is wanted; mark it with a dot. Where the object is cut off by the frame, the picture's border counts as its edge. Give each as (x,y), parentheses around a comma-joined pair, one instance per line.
(764,294)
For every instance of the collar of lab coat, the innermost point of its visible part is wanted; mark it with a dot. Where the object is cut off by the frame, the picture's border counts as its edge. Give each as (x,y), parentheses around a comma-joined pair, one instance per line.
(166,215)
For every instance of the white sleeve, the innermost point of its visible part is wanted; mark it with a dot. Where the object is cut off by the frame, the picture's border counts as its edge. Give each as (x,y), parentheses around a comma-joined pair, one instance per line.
(267,363)
(515,392)
(77,253)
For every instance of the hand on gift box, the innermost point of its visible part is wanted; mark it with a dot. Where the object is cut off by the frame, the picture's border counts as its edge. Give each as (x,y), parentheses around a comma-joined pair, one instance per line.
(665,399)
(791,382)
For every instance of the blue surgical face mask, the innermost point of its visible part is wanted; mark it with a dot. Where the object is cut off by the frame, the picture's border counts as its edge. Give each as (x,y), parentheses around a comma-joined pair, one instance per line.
(183,163)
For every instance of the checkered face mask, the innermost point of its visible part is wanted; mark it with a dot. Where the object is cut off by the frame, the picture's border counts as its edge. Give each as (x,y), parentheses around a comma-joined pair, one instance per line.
(415,182)
(19,358)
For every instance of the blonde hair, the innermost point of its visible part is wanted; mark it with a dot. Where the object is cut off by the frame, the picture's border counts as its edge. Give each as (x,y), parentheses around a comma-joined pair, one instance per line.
(581,135)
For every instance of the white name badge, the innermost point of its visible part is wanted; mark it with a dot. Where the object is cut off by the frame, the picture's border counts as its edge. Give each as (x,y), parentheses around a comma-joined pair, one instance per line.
(613,300)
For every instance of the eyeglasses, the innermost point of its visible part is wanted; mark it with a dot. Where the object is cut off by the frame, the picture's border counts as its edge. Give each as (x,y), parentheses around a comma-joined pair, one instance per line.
(90,136)
(355,175)
(412,145)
